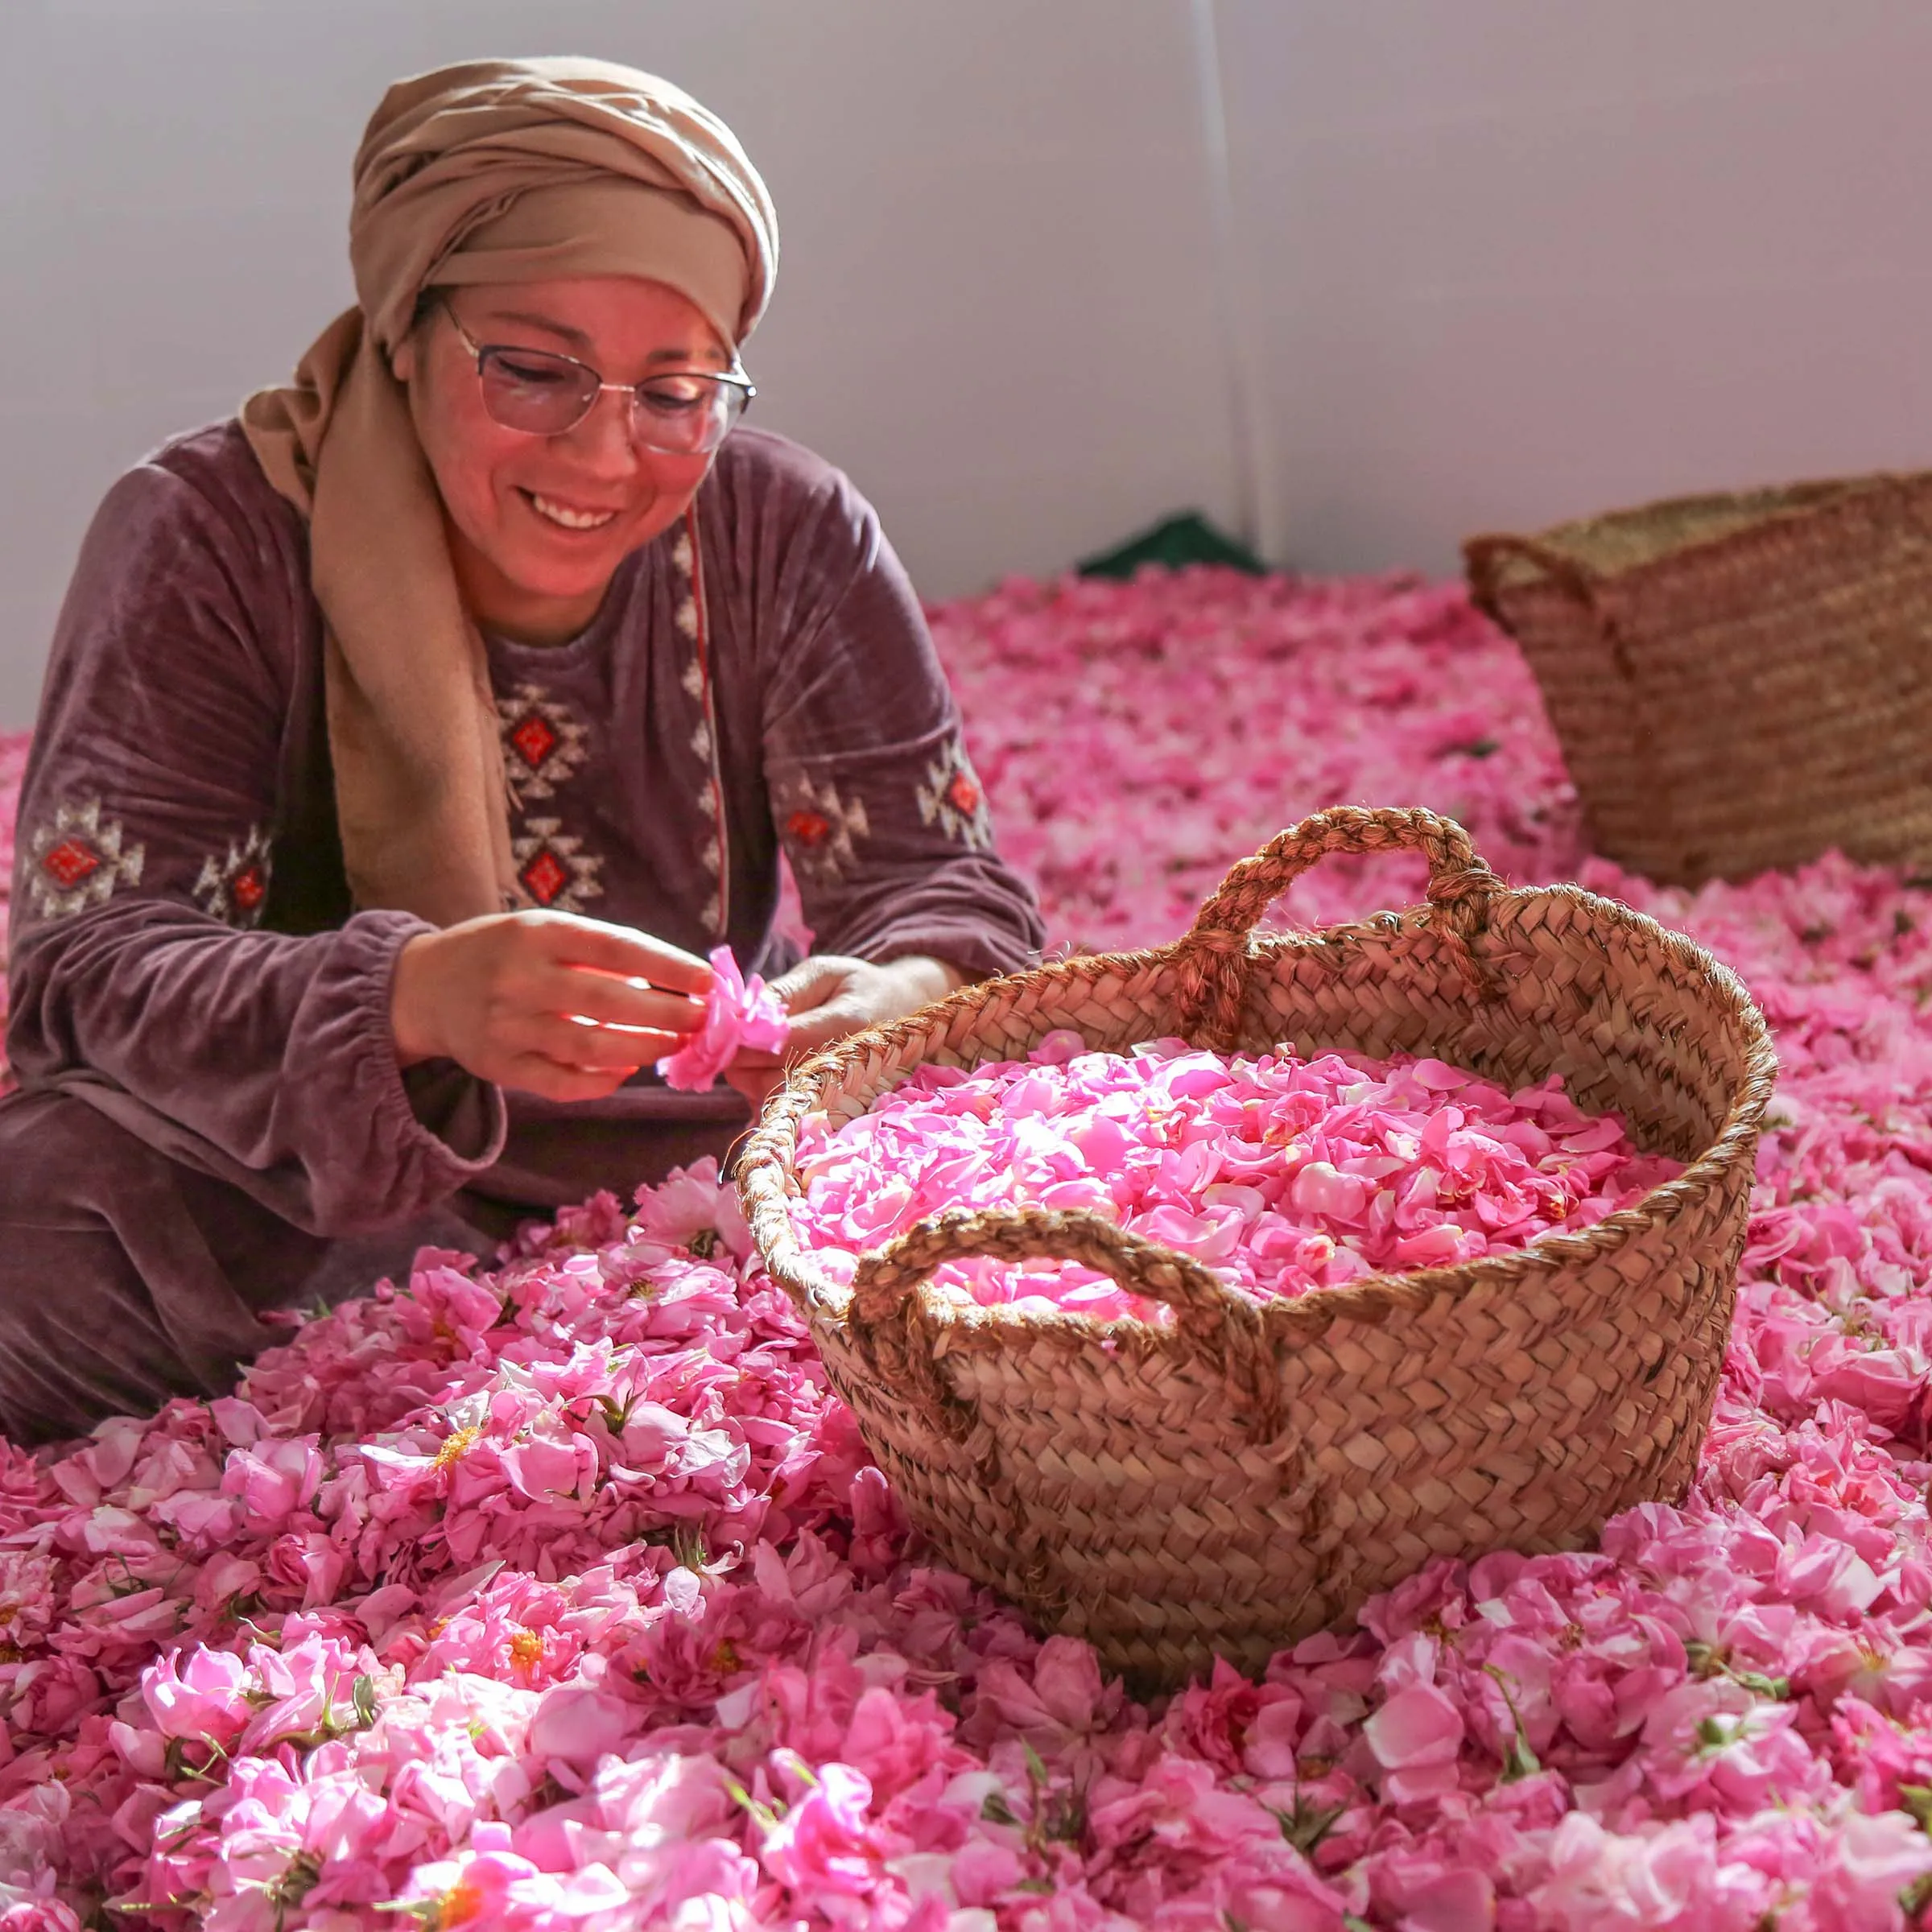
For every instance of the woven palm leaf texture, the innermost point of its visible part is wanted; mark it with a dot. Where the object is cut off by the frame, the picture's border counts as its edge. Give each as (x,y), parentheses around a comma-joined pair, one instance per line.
(1229,1481)
(1739,682)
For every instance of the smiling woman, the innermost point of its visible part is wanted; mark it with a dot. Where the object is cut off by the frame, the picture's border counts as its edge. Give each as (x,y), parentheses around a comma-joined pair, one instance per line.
(410,738)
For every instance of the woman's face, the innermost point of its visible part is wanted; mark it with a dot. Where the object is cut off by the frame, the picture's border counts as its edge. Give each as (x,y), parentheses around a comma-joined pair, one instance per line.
(539,524)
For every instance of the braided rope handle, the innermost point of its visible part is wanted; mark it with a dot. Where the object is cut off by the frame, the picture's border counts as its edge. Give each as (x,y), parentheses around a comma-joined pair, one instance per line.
(1201,1306)
(1214,959)
(1483,558)
(891,1327)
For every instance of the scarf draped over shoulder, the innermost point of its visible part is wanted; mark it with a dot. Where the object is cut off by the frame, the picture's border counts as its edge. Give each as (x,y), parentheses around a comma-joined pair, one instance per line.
(492,171)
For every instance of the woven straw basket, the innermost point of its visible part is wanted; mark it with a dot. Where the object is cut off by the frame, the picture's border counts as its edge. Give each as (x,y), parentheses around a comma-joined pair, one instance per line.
(1238,1478)
(1739,682)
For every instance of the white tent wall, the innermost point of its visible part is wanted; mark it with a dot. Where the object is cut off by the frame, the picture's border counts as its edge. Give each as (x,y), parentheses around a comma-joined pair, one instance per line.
(1495,260)
(1511,261)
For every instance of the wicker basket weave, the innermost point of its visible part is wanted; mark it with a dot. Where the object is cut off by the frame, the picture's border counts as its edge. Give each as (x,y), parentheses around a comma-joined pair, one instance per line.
(1240,1477)
(1739,682)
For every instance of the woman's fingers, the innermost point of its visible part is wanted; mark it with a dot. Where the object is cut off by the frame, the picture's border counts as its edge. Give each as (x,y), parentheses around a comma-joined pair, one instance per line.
(572,1043)
(821,1025)
(620,952)
(554,1004)
(611,1001)
(816,979)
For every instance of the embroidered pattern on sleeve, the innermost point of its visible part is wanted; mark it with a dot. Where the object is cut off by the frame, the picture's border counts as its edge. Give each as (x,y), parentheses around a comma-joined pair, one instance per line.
(820,827)
(953,798)
(554,868)
(543,744)
(79,858)
(235,888)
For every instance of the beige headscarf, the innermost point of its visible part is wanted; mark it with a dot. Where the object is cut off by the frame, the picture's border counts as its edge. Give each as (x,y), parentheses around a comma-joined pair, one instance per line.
(495,170)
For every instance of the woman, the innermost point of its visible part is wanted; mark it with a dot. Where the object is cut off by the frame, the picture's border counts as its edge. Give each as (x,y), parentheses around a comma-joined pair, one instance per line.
(408,740)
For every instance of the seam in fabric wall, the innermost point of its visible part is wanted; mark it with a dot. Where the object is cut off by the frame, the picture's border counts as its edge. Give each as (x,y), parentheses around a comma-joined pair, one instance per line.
(1254,495)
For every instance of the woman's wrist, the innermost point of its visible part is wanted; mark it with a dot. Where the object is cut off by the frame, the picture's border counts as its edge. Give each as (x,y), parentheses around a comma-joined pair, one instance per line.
(410,1012)
(925,979)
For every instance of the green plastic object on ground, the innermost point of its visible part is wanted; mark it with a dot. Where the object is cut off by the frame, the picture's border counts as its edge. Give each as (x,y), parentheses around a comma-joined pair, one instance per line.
(1178,542)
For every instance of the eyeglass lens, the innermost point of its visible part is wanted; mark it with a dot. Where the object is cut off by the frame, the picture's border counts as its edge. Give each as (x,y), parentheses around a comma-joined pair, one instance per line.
(546,395)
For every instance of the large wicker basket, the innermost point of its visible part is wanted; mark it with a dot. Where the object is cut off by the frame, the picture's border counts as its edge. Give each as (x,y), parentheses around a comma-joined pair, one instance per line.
(1739,682)
(1240,1478)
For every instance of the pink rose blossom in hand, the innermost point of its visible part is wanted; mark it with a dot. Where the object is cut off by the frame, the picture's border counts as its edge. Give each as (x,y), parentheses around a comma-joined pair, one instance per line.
(738,1013)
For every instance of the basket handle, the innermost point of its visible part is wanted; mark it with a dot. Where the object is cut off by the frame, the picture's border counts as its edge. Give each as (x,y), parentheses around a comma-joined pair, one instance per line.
(1483,559)
(1214,959)
(891,1327)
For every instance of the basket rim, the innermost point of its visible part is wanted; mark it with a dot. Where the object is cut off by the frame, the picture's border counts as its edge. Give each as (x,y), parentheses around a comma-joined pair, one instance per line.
(1518,567)
(767,1179)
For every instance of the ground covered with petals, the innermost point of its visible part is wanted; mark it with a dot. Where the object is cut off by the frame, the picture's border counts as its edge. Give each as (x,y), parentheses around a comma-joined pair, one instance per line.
(557,1591)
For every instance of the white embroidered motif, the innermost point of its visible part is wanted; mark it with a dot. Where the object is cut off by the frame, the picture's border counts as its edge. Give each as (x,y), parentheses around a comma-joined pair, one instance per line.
(555,870)
(234,889)
(78,860)
(543,744)
(818,828)
(953,797)
(711,852)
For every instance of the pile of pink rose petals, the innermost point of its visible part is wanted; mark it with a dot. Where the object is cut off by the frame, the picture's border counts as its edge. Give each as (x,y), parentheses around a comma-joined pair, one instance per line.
(558,1592)
(1279,1174)
(738,1013)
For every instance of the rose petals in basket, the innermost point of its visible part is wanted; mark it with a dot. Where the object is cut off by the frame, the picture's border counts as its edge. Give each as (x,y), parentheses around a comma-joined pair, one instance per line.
(1279,1174)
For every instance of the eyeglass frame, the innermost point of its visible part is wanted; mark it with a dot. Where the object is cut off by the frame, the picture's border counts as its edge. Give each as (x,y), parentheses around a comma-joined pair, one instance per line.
(735,377)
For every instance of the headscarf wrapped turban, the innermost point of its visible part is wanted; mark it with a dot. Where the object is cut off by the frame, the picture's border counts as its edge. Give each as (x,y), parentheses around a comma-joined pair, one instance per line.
(492,171)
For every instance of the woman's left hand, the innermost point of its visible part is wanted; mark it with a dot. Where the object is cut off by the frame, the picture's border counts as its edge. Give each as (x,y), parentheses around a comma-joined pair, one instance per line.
(828,996)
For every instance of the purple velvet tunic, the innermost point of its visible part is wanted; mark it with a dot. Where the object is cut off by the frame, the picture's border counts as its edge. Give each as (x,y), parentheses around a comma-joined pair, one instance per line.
(184,956)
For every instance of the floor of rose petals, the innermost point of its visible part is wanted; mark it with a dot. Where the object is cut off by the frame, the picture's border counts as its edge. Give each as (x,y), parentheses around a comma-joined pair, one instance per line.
(559,1592)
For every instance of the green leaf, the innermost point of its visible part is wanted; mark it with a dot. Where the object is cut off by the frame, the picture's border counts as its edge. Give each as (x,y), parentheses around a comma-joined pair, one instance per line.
(1307,1825)
(1715,1734)
(997,1811)
(766,1817)
(1918,1800)
(365,1697)
(1519,1761)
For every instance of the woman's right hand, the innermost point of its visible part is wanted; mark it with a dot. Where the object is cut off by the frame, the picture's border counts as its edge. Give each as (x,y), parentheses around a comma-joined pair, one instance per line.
(552,1004)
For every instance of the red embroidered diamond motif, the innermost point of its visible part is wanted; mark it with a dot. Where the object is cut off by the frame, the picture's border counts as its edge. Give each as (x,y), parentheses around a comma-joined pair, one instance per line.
(69,862)
(544,877)
(249,888)
(534,740)
(810,828)
(962,795)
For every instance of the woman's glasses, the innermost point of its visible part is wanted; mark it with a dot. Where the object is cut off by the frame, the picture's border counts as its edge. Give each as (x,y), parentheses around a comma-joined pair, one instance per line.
(687,414)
